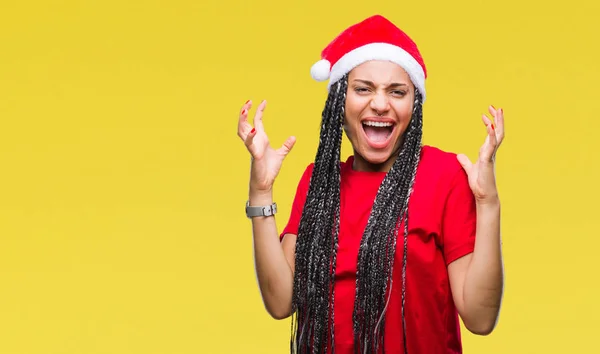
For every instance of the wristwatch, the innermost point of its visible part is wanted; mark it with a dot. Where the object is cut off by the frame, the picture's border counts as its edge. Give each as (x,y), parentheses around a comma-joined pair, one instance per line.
(252,211)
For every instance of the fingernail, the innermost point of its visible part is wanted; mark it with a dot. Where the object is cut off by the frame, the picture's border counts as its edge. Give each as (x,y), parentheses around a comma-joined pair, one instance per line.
(493,127)
(501,111)
(252,131)
(247,102)
(243,111)
(493,106)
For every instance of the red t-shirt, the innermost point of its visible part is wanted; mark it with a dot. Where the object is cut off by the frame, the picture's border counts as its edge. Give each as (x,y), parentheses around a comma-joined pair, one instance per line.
(441,230)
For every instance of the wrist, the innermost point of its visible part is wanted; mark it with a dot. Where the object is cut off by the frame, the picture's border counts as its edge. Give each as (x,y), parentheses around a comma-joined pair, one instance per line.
(491,204)
(260,197)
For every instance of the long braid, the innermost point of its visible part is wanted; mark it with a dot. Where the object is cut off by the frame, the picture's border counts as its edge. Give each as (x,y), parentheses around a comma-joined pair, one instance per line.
(416,153)
(317,242)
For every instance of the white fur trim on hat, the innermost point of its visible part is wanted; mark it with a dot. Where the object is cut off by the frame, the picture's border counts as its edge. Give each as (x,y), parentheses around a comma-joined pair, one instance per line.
(320,70)
(379,51)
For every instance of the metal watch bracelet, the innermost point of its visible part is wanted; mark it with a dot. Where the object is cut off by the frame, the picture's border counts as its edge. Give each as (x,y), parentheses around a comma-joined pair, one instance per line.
(253,211)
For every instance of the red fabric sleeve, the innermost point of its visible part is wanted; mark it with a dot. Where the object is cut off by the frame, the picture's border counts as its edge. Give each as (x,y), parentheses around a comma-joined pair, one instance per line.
(298,204)
(459,220)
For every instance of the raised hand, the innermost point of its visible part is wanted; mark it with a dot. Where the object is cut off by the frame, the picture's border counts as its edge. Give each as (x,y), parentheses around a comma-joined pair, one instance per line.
(481,174)
(266,161)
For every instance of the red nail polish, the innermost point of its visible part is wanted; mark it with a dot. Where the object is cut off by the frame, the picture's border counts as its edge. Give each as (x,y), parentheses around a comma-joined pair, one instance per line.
(501,111)
(243,111)
(252,131)
(247,102)
(493,127)
(493,106)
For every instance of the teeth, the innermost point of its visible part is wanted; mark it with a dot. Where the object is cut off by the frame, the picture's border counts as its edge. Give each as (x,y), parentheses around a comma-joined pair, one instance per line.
(377,124)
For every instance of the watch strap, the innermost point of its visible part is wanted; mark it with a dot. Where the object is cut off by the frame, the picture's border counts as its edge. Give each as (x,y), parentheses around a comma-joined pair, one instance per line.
(253,211)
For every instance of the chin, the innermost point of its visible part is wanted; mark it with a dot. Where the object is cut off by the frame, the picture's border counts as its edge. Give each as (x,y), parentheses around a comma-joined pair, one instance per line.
(376,157)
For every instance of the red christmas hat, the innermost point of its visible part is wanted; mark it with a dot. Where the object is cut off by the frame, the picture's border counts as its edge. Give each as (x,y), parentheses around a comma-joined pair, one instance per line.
(375,38)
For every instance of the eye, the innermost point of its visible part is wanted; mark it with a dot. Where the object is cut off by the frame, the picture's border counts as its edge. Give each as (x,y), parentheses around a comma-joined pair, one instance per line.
(399,93)
(361,89)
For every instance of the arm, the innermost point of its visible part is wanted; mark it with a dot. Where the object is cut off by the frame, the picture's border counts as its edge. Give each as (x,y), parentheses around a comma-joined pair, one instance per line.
(273,259)
(477,280)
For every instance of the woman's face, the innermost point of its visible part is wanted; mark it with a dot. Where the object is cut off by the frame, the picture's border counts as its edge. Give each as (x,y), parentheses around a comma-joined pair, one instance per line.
(379,105)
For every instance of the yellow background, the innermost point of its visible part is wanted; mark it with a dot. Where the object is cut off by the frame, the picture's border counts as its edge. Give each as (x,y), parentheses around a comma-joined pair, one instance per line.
(122,180)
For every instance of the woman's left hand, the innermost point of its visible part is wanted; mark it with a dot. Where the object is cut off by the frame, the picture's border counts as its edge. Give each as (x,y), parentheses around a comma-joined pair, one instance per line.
(481,173)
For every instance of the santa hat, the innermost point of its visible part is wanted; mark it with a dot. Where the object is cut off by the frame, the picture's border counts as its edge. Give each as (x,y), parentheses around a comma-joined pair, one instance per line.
(375,38)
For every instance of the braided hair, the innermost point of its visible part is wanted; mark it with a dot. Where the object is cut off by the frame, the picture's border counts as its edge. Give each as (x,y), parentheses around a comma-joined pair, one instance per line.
(317,242)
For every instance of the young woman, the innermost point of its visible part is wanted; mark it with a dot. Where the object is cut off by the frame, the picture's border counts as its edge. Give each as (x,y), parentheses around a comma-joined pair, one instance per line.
(384,251)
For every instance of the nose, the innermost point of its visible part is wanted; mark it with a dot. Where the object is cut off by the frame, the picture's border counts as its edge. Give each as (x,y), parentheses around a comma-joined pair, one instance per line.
(380,104)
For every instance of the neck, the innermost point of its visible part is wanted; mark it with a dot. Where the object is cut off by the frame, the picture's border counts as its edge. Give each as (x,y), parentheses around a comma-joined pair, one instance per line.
(360,164)
(363,165)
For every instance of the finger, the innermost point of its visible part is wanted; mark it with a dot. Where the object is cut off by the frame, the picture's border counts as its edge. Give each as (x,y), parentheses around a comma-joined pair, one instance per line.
(488,149)
(244,112)
(486,120)
(258,124)
(492,135)
(493,111)
(243,126)
(465,162)
(500,126)
(287,146)
(250,137)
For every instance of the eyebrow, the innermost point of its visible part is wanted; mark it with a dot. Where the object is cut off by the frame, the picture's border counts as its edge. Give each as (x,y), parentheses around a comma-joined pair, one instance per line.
(370,83)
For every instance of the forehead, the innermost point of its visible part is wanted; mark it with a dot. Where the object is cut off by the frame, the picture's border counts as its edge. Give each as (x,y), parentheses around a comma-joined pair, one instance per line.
(379,71)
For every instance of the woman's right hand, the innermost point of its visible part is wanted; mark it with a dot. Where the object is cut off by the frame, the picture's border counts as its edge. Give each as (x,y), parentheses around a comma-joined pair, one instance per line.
(266,161)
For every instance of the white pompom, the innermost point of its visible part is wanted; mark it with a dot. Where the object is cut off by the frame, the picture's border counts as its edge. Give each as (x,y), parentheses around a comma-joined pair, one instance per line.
(320,70)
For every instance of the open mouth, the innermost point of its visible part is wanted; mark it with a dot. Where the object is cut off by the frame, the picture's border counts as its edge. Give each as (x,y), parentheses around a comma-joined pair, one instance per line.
(378,133)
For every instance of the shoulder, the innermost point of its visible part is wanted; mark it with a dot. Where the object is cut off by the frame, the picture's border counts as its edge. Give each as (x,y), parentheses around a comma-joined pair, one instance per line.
(440,160)
(306,175)
(308,171)
(432,155)
(439,167)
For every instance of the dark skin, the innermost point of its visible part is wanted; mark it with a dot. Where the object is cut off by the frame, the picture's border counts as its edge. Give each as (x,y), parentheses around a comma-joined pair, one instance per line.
(382,92)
